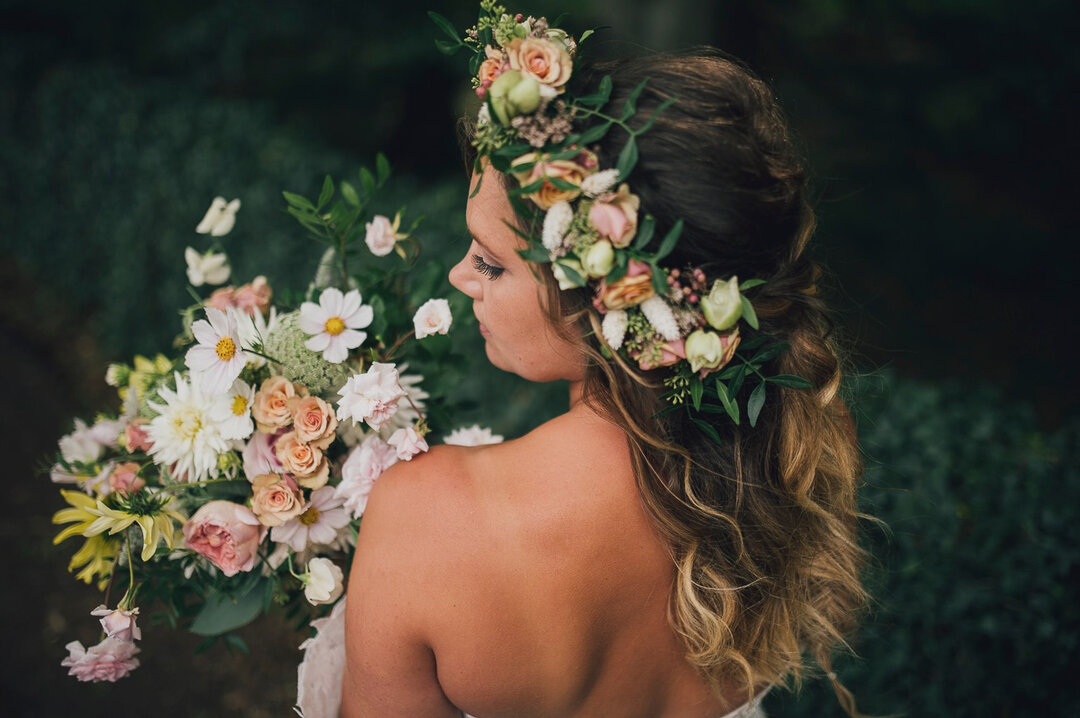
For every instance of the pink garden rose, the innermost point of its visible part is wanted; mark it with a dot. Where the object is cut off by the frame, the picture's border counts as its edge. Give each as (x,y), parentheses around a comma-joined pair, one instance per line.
(371,397)
(632,288)
(249,298)
(227,534)
(125,478)
(314,421)
(365,464)
(118,624)
(259,456)
(306,462)
(136,437)
(110,660)
(407,443)
(670,353)
(615,215)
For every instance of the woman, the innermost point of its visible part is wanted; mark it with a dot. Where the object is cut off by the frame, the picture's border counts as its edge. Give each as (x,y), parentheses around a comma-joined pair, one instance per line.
(623,559)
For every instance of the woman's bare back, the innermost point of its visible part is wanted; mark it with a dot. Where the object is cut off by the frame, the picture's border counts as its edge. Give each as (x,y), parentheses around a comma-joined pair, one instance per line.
(527,578)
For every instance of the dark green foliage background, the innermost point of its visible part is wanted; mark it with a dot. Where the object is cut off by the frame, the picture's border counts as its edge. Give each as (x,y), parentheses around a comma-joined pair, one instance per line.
(943,170)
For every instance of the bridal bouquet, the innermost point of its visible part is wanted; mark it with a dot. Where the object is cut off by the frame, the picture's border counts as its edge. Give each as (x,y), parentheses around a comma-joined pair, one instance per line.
(230,476)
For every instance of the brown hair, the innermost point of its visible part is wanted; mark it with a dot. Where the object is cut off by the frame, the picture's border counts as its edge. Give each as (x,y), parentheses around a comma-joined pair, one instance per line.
(762,528)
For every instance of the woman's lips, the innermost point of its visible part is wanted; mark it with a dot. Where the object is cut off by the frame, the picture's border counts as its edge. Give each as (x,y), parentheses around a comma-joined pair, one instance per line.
(483,330)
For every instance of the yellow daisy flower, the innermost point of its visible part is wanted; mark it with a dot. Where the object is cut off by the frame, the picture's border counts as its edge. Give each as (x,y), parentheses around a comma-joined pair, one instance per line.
(152,516)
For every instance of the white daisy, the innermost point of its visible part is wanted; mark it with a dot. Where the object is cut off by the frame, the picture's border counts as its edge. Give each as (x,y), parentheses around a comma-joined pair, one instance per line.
(333,323)
(659,314)
(233,415)
(253,329)
(556,222)
(209,268)
(217,359)
(324,516)
(614,328)
(599,183)
(185,434)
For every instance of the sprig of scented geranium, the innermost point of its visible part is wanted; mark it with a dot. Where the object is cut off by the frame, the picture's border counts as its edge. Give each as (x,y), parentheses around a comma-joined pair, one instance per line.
(589,226)
(233,475)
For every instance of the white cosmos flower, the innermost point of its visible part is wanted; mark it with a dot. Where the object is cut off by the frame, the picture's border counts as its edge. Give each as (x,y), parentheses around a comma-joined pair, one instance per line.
(320,522)
(333,323)
(659,314)
(433,317)
(614,328)
(185,433)
(372,396)
(234,413)
(220,218)
(253,329)
(209,268)
(217,359)
(474,435)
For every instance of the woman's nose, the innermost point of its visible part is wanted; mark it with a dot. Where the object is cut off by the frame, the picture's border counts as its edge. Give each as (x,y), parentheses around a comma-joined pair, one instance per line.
(461,280)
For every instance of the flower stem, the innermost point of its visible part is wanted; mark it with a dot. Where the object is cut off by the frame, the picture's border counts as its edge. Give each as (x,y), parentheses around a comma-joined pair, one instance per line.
(204,482)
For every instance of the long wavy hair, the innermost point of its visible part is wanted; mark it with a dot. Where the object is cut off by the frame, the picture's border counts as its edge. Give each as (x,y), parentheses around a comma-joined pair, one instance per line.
(761,527)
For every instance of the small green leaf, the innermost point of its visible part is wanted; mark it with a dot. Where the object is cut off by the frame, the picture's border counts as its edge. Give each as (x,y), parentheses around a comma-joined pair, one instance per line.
(670,240)
(627,158)
(474,63)
(653,117)
(382,167)
(222,613)
(572,274)
(298,200)
(791,381)
(750,284)
(559,183)
(367,181)
(769,353)
(748,313)
(447,47)
(659,280)
(631,102)
(697,389)
(446,25)
(326,193)
(594,134)
(730,406)
(735,385)
(753,406)
(349,193)
(645,232)
(584,36)
(600,97)
(535,255)
(708,429)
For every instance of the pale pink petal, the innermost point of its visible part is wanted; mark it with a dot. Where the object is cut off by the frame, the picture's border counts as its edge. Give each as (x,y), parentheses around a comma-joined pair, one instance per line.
(336,352)
(318,343)
(352,338)
(201,358)
(204,333)
(312,318)
(331,301)
(350,304)
(360,318)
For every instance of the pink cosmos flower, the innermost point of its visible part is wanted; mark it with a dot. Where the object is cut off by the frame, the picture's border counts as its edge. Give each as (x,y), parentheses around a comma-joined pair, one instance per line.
(226,533)
(334,323)
(372,396)
(408,443)
(110,660)
(320,522)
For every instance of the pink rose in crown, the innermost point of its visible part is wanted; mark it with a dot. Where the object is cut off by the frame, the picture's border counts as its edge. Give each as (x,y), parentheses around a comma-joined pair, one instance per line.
(110,660)
(669,353)
(227,534)
(615,215)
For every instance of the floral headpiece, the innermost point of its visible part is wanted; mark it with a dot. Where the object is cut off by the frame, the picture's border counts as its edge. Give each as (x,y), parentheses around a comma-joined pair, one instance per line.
(595,233)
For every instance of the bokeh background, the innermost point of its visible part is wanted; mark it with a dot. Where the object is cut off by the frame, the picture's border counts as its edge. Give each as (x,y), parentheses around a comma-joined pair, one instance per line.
(943,145)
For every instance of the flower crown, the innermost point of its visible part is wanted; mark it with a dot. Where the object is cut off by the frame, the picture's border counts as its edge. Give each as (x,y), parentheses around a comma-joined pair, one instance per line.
(594,233)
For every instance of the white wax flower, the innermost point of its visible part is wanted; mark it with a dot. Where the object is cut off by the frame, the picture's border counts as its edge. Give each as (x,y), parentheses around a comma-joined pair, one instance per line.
(324,583)
(220,218)
(210,268)
(433,317)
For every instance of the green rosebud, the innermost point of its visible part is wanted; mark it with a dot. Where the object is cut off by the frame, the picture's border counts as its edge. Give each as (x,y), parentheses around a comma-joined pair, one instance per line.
(709,350)
(559,268)
(723,305)
(599,259)
(512,94)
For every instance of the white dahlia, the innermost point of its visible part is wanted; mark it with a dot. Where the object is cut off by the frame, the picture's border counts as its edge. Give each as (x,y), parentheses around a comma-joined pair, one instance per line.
(185,434)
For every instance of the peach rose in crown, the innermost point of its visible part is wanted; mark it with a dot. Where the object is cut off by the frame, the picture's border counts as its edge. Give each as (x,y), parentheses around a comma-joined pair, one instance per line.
(313,420)
(669,353)
(615,216)
(275,499)
(548,62)
(271,406)
(573,172)
(304,461)
(632,288)
(227,534)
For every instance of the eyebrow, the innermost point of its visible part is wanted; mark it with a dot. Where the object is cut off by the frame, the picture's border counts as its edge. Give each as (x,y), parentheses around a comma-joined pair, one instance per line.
(472,235)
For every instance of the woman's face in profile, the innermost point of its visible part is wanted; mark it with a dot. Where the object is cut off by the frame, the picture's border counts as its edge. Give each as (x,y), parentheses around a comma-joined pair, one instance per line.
(507,297)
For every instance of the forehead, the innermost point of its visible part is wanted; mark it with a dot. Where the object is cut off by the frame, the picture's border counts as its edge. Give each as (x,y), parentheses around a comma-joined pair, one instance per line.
(489,209)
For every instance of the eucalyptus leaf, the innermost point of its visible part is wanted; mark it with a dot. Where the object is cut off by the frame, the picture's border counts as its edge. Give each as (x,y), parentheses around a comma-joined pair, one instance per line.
(706,428)
(382,167)
(572,274)
(627,158)
(730,406)
(222,613)
(445,25)
(348,192)
(750,284)
(697,389)
(670,240)
(326,193)
(535,255)
(298,200)
(600,97)
(645,232)
(735,385)
(659,280)
(791,381)
(756,401)
(630,108)
(748,313)
(447,47)
(367,180)
(656,114)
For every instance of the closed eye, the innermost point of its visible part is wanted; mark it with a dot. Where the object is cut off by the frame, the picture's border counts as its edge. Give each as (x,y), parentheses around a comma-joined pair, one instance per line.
(489,270)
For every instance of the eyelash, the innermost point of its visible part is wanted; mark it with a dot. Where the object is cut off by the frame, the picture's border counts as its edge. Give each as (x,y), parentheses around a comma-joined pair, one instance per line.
(489,270)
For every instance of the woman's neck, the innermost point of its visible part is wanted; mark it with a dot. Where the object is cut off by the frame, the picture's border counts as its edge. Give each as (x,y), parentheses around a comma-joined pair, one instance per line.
(576,392)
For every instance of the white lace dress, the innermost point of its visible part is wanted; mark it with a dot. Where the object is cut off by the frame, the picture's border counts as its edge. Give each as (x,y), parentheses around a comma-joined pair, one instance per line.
(318,690)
